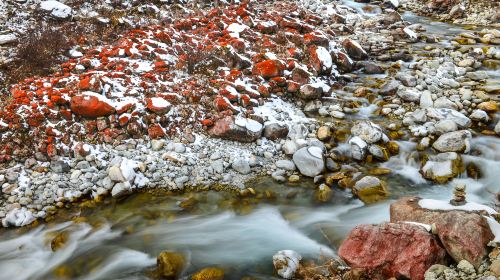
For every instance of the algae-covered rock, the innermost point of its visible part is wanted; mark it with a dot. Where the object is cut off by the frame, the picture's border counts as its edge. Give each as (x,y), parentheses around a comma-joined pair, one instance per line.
(209,273)
(370,189)
(170,264)
(323,193)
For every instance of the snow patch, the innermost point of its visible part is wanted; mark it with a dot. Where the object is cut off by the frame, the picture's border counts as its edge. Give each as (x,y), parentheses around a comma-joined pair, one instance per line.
(434,204)
(56,9)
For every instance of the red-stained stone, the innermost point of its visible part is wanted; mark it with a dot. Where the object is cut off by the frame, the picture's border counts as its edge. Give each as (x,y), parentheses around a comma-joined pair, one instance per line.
(315,38)
(465,235)
(90,106)
(400,250)
(155,108)
(155,131)
(268,69)
(81,150)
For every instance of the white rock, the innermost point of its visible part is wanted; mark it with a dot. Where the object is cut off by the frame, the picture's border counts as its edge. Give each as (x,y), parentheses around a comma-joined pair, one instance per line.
(179,148)
(367,131)
(286,263)
(285,164)
(497,128)
(121,189)
(18,217)
(426,100)
(156,145)
(290,147)
(445,126)
(479,115)
(457,141)
(358,148)
(56,9)
(443,102)
(115,174)
(309,161)
(241,165)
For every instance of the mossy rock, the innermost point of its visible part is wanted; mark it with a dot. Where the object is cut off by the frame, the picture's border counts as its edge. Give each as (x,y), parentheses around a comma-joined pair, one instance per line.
(323,194)
(209,273)
(370,189)
(169,265)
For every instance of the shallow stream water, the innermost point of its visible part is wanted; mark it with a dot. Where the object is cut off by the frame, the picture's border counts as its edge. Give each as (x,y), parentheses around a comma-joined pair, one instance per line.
(121,239)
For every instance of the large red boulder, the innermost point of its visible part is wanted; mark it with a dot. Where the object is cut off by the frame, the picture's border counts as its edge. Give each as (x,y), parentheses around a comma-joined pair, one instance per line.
(91,105)
(464,234)
(399,250)
(269,68)
(236,129)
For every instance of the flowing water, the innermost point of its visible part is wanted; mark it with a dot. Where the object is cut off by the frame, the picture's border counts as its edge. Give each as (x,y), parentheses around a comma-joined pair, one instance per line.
(121,239)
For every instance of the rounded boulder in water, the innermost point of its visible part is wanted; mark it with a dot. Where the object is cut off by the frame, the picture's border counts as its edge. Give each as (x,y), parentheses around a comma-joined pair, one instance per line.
(309,161)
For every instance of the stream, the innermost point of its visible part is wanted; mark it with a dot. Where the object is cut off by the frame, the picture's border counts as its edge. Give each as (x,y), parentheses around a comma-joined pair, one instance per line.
(121,239)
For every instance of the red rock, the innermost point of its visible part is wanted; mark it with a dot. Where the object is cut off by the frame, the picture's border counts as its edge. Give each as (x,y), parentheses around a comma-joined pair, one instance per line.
(51,150)
(90,106)
(293,87)
(264,91)
(81,150)
(316,38)
(207,122)
(90,83)
(399,250)
(269,69)
(155,131)
(320,60)
(223,104)
(124,107)
(268,27)
(465,235)
(158,105)
(226,128)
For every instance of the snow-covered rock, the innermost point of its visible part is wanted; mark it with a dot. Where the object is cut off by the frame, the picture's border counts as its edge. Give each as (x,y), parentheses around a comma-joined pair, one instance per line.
(442,167)
(18,217)
(286,263)
(56,9)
